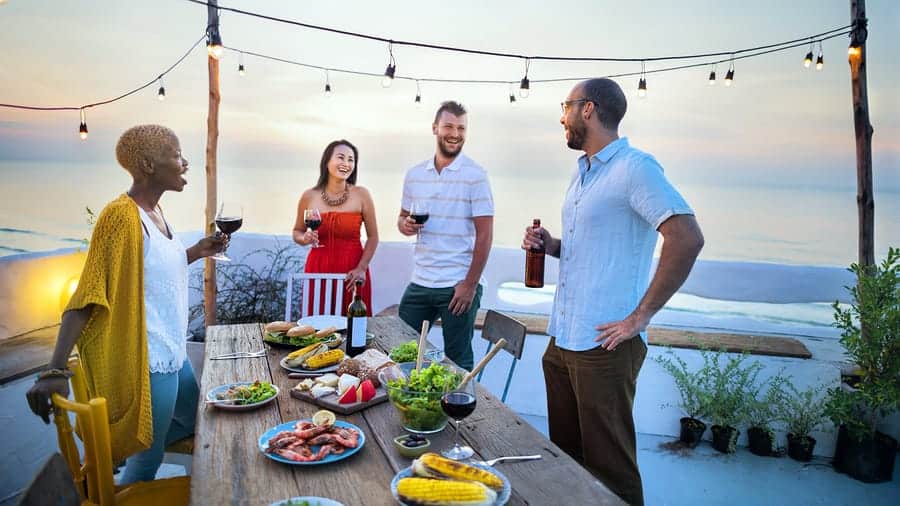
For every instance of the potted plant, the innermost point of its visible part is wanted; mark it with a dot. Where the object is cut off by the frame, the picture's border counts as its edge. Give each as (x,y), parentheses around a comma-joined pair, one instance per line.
(862,451)
(694,400)
(728,393)
(802,412)
(762,410)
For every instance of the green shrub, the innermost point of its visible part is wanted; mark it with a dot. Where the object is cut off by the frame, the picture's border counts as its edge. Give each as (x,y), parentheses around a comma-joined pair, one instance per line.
(803,411)
(691,384)
(870,334)
(729,387)
(765,401)
(247,295)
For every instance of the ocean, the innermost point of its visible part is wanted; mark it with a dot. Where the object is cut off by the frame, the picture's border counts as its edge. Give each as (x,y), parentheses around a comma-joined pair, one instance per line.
(43,206)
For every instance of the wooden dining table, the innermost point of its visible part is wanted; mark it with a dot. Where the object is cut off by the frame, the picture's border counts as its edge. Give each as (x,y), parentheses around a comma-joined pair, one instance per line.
(229,468)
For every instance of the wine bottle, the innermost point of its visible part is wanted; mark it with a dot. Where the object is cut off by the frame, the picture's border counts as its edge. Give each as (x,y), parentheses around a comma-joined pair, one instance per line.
(534,262)
(356,323)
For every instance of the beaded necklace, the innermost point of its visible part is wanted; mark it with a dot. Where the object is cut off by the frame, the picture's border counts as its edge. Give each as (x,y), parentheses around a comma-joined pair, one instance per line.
(338,201)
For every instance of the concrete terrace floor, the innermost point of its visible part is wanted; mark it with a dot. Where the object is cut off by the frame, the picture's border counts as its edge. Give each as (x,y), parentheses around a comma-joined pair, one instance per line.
(697,477)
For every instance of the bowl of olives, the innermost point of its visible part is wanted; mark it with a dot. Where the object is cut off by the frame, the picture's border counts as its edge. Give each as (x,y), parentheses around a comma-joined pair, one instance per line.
(411,445)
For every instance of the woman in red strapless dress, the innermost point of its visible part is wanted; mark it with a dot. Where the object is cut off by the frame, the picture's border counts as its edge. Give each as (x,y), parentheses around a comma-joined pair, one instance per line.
(345,208)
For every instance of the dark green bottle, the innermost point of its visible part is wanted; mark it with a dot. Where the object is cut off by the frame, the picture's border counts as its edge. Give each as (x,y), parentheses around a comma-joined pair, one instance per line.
(356,323)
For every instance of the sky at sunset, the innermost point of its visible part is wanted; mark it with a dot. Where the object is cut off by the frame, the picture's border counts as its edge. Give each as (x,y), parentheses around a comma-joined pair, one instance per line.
(778,123)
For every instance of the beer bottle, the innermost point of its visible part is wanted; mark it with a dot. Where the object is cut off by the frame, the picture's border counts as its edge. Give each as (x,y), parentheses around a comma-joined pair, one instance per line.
(534,262)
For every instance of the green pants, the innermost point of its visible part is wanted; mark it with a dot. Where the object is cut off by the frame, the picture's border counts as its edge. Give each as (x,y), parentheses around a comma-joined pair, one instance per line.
(420,303)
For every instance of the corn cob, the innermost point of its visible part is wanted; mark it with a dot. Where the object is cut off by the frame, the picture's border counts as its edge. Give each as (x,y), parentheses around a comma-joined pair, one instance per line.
(321,360)
(302,351)
(429,492)
(436,466)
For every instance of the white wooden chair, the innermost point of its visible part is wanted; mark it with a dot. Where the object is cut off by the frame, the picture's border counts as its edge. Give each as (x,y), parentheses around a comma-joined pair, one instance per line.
(319,286)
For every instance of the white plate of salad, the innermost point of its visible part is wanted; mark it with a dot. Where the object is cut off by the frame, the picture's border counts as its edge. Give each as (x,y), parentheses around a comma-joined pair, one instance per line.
(242,395)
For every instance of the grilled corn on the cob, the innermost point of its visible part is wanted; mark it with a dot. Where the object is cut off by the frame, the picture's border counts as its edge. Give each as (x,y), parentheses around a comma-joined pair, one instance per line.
(296,358)
(434,465)
(431,492)
(321,360)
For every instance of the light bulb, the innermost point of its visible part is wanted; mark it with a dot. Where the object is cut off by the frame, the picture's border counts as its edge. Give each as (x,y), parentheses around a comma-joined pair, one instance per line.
(512,99)
(729,76)
(82,130)
(388,76)
(808,60)
(418,100)
(712,78)
(161,95)
(241,70)
(855,50)
(820,62)
(524,87)
(642,88)
(327,90)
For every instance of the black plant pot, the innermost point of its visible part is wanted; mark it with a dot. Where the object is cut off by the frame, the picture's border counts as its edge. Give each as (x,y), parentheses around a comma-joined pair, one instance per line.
(800,447)
(762,441)
(870,460)
(691,431)
(724,438)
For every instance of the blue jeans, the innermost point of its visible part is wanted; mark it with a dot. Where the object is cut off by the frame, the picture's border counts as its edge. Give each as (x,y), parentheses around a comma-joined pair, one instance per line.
(173,398)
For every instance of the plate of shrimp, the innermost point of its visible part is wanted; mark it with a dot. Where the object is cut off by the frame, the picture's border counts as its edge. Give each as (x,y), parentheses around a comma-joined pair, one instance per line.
(302,442)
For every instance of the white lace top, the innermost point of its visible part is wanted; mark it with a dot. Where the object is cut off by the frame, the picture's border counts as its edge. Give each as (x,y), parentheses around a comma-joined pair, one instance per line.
(165,297)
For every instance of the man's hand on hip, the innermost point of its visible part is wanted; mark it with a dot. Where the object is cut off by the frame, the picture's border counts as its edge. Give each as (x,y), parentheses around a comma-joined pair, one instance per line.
(614,333)
(463,294)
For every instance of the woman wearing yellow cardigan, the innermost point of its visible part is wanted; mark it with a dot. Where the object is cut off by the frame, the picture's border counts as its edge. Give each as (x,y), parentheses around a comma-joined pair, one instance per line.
(129,314)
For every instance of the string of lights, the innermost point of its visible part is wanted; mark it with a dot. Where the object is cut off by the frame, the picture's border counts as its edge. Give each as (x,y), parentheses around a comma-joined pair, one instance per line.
(424,45)
(215,49)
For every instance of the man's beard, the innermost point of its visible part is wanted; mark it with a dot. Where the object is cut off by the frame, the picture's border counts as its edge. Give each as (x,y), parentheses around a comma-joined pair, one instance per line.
(576,136)
(446,150)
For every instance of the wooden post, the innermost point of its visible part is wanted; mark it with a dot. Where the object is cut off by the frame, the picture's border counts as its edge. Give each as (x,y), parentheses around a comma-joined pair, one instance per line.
(865,199)
(212,141)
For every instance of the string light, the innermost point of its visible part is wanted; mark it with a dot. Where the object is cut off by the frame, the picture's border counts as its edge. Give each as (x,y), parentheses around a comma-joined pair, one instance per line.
(214,42)
(161,94)
(642,83)
(524,85)
(241,71)
(512,96)
(712,76)
(820,60)
(390,70)
(327,84)
(418,100)
(807,60)
(729,76)
(82,128)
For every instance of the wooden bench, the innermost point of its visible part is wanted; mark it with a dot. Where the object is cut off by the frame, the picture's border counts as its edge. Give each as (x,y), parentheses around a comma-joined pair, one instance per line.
(775,346)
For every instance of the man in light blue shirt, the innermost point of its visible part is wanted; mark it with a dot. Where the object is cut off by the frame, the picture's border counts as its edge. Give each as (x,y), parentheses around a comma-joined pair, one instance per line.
(617,201)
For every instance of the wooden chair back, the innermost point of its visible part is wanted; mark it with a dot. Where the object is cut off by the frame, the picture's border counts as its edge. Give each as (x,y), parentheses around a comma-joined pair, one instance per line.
(321,292)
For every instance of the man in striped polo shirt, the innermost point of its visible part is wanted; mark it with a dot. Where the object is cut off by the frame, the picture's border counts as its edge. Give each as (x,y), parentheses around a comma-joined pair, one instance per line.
(453,241)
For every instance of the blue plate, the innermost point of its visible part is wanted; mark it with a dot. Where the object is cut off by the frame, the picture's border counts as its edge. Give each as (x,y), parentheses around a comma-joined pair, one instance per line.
(269,434)
(502,495)
(313,501)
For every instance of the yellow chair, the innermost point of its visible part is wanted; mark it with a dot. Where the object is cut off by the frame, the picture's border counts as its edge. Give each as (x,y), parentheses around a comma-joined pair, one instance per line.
(93,476)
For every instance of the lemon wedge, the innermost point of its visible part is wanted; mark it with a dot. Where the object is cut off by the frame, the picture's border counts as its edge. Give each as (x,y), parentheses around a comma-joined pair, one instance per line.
(324,417)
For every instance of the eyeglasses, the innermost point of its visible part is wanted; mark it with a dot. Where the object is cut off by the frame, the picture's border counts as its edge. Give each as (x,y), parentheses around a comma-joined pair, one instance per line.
(568,103)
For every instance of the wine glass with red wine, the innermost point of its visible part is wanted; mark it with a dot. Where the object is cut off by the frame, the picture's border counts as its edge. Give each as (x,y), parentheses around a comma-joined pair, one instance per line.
(229,219)
(312,218)
(418,211)
(458,403)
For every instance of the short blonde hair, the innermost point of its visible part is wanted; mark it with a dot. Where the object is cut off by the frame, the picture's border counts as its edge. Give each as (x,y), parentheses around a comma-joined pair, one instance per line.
(140,142)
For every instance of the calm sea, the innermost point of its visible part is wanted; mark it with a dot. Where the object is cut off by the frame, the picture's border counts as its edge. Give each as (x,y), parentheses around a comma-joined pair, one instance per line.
(43,206)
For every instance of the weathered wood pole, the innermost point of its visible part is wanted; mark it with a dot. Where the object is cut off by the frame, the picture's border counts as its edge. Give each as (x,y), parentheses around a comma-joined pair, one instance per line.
(212,142)
(865,199)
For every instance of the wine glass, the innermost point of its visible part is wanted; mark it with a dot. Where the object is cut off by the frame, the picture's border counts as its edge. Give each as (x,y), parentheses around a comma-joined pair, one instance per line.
(458,403)
(229,219)
(313,220)
(418,211)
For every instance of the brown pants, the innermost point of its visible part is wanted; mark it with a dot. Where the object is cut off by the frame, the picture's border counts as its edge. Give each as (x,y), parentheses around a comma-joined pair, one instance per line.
(589,402)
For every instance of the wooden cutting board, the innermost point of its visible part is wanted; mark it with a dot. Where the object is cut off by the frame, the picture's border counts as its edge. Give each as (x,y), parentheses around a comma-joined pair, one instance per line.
(331,401)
